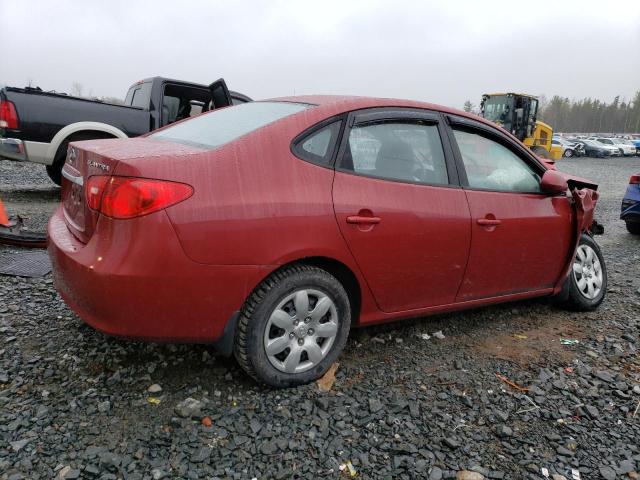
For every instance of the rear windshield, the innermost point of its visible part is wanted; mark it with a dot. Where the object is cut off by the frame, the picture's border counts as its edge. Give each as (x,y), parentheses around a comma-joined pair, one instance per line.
(222,126)
(139,95)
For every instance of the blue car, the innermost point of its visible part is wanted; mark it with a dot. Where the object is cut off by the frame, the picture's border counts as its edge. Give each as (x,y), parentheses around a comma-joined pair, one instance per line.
(631,205)
(636,142)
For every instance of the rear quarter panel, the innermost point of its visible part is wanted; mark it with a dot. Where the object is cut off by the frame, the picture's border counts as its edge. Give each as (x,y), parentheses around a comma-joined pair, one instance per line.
(254,202)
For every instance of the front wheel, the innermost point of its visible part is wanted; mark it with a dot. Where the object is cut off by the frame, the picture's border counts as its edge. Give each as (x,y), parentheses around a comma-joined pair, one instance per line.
(586,285)
(541,151)
(293,326)
(633,227)
(568,153)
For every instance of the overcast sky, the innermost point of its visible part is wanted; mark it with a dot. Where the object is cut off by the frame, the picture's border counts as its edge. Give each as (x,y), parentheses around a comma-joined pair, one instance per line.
(439,51)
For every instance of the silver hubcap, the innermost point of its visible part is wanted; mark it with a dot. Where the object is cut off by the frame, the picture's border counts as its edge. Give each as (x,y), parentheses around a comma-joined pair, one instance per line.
(587,272)
(301,331)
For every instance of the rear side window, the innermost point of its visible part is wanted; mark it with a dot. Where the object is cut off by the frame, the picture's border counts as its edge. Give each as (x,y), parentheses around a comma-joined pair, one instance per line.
(222,126)
(404,151)
(318,146)
(139,96)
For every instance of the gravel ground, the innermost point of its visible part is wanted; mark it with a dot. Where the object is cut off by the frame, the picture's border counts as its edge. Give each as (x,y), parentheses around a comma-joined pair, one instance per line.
(77,404)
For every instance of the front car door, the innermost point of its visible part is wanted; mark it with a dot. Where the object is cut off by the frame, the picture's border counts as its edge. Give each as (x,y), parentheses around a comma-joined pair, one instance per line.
(400,208)
(520,236)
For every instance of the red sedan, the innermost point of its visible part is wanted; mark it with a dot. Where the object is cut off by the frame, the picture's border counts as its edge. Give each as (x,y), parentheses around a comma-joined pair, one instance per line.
(270,228)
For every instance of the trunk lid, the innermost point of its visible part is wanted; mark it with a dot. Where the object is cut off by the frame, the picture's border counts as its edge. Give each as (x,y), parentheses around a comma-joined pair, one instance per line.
(101,157)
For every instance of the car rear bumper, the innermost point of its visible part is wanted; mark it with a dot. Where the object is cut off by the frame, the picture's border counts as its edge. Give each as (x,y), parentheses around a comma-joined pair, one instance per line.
(13,149)
(132,279)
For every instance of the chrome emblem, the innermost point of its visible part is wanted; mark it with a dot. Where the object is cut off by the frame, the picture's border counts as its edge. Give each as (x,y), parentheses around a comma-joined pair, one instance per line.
(73,154)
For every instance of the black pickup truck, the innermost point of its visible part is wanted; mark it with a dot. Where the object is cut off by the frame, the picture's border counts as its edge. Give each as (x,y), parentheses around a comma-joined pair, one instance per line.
(36,126)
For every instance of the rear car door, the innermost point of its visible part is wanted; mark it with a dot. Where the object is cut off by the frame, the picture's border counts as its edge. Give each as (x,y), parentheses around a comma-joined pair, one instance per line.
(400,208)
(520,236)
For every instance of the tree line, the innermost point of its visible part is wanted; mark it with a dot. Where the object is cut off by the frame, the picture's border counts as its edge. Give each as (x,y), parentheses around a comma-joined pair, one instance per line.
(587,115)
(591,115)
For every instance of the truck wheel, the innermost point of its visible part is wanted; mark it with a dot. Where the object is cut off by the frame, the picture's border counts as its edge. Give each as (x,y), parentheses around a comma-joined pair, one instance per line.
(541,151)
(586,285)
(293,326)
(55,169)
(633,228)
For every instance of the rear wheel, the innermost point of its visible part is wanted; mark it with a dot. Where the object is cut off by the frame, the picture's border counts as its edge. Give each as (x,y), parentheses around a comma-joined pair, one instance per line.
(586,285)
(633,227)
(293,326)
(55,169)
(541,151)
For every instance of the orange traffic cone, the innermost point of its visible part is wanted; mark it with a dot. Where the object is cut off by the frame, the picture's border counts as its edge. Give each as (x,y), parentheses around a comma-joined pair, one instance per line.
(4,219)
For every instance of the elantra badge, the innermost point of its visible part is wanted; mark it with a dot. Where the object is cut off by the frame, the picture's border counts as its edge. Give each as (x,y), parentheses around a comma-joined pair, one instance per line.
(95,164)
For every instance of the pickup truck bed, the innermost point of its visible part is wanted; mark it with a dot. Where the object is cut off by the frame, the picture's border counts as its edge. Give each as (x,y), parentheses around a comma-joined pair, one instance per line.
(36,126)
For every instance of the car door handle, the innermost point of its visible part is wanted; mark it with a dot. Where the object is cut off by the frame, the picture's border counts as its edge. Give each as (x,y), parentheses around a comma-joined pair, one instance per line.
(488,222)
(361,220)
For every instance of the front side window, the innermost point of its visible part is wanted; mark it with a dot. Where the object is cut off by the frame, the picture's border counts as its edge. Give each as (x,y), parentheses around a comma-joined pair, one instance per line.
(237,100)
(221,126)
(492,166)
(397,150)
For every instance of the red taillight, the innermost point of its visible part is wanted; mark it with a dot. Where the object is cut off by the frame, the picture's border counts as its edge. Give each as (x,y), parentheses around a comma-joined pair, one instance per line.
(634,180)
(8,115)
(129,197)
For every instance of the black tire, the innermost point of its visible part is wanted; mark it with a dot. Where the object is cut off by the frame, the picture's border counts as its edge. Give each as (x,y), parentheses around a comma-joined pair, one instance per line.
(568,153)
(633,227)
(541,151)
(249,348)
(571,296)
(55,169)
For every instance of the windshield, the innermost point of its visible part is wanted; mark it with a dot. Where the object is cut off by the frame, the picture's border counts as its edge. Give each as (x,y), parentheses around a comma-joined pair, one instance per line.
(218,127)
(498,109)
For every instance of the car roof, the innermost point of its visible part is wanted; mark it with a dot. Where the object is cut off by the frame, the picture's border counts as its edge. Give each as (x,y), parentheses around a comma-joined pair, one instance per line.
(345,103)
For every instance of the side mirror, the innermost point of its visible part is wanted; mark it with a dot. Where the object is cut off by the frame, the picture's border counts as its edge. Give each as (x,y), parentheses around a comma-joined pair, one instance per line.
(553,182)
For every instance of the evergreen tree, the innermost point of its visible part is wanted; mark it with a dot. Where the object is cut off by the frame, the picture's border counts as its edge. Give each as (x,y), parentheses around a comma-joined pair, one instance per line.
(591,115)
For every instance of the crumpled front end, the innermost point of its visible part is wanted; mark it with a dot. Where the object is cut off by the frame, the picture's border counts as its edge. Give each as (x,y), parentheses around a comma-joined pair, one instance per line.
(584,205)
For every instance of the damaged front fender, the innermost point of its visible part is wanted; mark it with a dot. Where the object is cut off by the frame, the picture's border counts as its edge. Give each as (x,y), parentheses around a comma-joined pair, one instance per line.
(584,202)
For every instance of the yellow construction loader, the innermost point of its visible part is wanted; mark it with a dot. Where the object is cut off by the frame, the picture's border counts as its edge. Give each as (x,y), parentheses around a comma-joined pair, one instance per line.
(517,113)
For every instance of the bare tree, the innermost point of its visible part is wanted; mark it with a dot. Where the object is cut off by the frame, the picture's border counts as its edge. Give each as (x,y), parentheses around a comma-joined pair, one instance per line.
(469,107)
(76,89)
